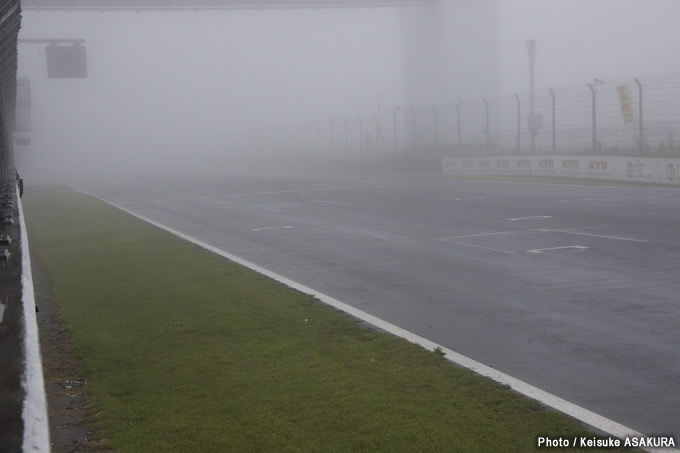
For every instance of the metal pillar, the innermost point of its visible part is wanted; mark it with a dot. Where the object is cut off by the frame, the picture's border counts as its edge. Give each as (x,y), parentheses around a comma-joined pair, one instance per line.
(486,129)
(519,124)
(554,142)
(641,120)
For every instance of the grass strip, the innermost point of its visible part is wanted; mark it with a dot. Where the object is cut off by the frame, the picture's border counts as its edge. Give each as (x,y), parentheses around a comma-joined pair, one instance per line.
(187,351)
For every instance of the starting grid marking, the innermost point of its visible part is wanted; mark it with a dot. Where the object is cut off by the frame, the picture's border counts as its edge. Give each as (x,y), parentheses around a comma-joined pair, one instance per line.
(570,231)
(574,247)
(285,227)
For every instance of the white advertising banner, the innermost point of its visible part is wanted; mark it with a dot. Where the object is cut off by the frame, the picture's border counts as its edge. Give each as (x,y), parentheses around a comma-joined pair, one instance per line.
(634,169)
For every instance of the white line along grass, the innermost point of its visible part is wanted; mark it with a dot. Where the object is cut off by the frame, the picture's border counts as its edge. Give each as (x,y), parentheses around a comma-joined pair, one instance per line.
(584,415)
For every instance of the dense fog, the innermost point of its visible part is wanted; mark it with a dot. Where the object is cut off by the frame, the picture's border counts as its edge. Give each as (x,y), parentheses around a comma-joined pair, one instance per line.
(182,90)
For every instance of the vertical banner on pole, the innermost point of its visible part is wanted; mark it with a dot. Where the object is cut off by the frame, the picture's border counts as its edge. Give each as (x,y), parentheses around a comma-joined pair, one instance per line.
(625,93)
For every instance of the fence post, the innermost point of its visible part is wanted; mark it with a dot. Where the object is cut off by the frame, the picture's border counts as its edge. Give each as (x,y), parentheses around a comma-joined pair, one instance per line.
(552,96)
(361,135)
(346,138)
(332,123)
(413,115)
(460,135)
(395,110)
(594,114)
(642,137)
(519,124)
(377,133)
(486,129)
(436,127)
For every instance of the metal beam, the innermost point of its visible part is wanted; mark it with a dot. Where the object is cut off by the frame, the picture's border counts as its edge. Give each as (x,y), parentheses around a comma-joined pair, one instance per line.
(197,5)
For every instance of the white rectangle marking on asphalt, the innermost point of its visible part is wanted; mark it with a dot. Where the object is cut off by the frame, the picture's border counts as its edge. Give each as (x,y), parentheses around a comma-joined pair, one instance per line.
(604,236)
(516,219)
(575,247)
(285,227)
(483,248)
(476,235)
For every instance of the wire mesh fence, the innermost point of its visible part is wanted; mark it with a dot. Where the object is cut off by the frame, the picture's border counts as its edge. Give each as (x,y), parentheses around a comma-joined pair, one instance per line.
(635,116)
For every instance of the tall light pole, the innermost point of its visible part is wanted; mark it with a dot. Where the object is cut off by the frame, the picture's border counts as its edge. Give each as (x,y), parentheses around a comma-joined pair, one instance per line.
(531,47)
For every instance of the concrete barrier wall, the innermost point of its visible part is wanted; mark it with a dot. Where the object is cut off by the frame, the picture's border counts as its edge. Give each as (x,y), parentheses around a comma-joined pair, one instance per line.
(634,169)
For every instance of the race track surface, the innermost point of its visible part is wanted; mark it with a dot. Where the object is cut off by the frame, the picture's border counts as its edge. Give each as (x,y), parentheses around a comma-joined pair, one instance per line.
(574,289)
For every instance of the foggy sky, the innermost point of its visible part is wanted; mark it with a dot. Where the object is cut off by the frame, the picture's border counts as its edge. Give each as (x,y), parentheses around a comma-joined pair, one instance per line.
(189,82)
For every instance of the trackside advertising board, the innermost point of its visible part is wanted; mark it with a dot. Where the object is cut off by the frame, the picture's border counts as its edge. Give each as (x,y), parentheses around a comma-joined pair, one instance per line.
(635,169)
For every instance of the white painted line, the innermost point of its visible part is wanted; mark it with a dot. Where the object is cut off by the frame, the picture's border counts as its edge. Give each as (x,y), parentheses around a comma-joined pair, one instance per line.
(36,431)
(2,311)
(584,415)
(617,238)
(576,247)
(542,230)
(516,219)
(507,252)
(285,227)
(477,235)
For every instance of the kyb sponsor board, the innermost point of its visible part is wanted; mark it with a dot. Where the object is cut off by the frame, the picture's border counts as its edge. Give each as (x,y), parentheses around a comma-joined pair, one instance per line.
(639,169)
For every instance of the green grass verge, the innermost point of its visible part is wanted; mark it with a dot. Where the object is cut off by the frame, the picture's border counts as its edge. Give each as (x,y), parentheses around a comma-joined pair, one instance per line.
(186,351)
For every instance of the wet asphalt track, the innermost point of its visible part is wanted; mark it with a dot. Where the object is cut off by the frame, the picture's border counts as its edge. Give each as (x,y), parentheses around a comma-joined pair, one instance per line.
(574,289)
